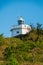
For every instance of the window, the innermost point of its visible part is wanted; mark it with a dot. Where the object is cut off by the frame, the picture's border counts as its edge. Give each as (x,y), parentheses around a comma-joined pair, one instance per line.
(17,31)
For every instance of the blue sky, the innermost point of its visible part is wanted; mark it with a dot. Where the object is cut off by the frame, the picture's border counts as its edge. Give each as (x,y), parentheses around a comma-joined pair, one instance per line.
(10,10)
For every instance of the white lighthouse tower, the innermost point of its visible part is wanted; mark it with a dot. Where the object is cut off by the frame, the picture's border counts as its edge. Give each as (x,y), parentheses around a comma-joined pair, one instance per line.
(20,29)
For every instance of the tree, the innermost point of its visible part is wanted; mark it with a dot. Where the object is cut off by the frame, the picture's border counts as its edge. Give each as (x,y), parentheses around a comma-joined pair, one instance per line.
(32,26)
(39,28)
(2,40)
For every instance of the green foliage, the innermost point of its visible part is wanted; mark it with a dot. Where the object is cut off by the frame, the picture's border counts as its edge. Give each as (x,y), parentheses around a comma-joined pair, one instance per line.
(28,57)
(12,61)
(1,39)
(9,55)
(29,49)
(8,52)
(39,28)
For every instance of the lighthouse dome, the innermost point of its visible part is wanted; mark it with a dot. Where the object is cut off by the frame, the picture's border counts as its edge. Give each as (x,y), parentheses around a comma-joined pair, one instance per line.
(20,18)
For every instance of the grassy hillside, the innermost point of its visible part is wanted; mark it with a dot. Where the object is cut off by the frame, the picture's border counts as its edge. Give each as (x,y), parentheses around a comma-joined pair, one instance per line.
(27,50)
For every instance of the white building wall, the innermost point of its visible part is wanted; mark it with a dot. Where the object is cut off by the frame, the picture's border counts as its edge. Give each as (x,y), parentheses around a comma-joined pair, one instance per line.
(16,32)
(25,29)
(21,29)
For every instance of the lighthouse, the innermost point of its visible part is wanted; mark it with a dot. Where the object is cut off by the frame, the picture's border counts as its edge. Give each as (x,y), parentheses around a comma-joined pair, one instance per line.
(20,29)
